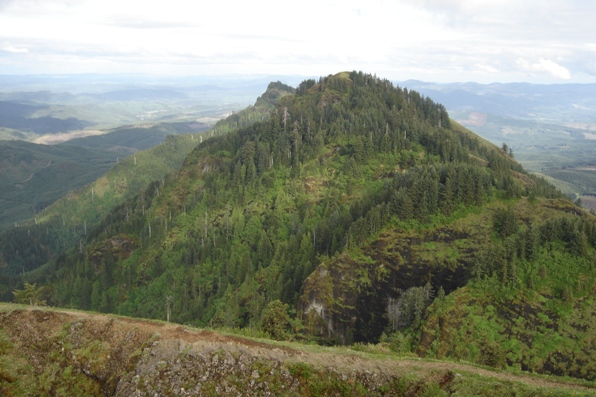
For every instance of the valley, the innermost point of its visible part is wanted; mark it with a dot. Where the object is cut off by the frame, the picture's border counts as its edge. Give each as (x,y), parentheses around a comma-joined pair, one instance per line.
(34,176)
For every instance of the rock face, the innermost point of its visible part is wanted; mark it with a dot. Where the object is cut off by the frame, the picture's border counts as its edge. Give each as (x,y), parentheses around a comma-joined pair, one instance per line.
(175,367)
(75,353)
(346,299)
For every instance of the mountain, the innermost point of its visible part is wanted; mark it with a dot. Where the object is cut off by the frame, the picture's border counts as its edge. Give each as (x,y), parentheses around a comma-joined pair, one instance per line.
(369,212)
(550,128)
(63,224)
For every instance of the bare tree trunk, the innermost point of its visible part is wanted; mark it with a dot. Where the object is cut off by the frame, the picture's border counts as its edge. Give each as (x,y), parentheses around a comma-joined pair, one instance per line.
(168,307)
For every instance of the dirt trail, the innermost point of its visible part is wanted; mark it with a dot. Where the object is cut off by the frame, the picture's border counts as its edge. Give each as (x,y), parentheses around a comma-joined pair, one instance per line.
(28,179)
(33,173)
(340,359)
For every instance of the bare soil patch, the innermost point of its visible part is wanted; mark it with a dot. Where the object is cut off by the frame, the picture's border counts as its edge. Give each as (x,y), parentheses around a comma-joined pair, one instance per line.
(53,139)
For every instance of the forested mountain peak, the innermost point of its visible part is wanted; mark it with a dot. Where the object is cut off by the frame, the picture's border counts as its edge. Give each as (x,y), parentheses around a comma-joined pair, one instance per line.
(64,224)
(356,203)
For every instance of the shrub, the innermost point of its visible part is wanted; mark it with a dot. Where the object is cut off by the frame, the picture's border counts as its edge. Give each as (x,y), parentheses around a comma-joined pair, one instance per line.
(276,320)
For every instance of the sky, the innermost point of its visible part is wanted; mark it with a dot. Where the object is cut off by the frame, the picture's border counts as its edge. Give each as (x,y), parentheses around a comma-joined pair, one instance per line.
(537,41)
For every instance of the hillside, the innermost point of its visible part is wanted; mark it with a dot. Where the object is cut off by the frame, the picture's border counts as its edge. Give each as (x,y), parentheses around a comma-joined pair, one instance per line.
(127,140)
(363,207)
(64,224)
(67,353)
(34,176)
(550,127)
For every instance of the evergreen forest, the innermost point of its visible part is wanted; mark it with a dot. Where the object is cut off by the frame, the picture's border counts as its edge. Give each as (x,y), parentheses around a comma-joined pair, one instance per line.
(357,209)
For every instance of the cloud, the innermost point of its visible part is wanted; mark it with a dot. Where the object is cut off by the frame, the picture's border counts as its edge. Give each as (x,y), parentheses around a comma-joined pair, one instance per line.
(13,50)
(546,65)
(436,40)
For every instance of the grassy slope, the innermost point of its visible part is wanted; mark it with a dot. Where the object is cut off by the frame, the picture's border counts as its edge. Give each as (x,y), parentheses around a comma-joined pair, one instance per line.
(542,320)
(547,328)
(405,255)
(128,178)
(80,353)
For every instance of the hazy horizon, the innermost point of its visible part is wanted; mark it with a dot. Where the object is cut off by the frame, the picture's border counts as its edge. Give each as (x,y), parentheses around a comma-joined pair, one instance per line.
(550,41)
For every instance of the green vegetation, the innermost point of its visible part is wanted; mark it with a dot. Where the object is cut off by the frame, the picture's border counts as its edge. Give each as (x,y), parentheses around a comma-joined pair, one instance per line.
(370,214)
(534,313)
(34,176)
(47,352)
(563,153)
(30,294)
(124,141)
(583,179)
(276,320)
(235,220)
(65,223)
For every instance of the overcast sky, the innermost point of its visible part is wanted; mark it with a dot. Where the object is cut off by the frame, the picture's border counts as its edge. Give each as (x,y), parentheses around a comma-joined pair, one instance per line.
(541,41)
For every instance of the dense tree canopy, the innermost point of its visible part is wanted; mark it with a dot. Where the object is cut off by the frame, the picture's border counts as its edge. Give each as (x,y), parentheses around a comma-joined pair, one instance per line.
(253,211)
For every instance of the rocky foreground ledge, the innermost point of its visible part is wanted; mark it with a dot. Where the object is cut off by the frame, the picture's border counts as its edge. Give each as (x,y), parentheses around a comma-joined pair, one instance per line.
(71,353)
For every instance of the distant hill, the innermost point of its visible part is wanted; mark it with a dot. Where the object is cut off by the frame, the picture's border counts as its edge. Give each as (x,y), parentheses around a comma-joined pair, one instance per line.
(16,109)
(531,118)
(34,106)
(141,94)
(16,116)
(33,176)
(555,103)
(129,139)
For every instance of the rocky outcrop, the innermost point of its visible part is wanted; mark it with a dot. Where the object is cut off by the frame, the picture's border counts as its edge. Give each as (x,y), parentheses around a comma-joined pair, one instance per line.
(65,353)
(345,300)
(76,353)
